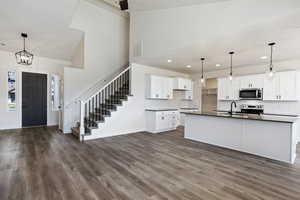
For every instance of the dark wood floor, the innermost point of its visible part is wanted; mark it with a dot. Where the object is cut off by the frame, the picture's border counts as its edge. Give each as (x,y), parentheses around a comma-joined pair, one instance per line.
(40,163)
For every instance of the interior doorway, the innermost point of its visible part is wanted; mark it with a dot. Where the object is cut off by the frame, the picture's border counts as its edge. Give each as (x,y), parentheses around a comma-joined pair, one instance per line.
(34,99)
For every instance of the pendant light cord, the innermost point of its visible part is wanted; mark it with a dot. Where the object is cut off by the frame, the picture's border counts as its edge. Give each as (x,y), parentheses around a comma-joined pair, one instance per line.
(271,58)
(271,61)
(231,55)
(24,43)
(202,60)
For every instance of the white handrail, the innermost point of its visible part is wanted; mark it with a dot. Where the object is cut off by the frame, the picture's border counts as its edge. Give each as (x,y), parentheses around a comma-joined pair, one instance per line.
(92,97)
(107,84)
(93,87)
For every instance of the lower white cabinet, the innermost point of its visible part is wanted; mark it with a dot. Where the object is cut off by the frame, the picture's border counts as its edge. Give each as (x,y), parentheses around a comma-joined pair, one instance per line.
(161,121)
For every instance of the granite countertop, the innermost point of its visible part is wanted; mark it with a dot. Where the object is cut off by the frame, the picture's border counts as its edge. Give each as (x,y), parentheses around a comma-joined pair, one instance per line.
(283,115)
(189,108)
(272,118)
(161,109)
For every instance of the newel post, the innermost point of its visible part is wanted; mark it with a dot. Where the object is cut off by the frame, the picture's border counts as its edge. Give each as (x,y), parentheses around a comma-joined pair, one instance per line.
(130,80)
(82,132)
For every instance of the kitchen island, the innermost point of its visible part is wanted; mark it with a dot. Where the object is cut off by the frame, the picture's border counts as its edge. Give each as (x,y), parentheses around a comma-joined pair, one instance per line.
(269,136)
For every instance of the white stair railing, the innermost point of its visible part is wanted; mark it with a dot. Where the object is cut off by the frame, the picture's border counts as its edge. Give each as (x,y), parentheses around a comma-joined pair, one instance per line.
(98,99)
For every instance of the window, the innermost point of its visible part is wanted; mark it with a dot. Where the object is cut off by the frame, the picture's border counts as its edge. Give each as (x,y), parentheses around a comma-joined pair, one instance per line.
(55,92)
(11,81)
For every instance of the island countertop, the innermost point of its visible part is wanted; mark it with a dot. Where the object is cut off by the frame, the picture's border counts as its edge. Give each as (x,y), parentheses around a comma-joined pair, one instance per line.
(161,109)
(272,118)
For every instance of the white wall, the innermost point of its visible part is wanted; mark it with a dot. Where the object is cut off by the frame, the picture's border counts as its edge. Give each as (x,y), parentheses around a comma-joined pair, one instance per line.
(105,46)
(12,120)
(106,49)
(131,117)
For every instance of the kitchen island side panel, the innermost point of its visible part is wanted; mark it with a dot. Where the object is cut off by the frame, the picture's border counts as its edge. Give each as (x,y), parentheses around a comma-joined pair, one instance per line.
(268,139)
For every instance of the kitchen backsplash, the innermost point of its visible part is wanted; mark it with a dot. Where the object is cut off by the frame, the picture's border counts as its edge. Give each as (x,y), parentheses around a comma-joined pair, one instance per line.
(292,108)
(176,102)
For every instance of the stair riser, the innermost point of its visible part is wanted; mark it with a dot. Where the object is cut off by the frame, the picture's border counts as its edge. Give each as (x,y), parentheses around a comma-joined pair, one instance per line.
(102,112)
(118,102)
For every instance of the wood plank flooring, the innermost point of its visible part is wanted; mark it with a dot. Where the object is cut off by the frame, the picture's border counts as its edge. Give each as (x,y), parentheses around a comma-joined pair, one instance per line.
(40,163)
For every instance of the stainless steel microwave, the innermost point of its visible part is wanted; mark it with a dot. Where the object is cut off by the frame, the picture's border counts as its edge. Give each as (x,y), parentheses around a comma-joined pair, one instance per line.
(251,94)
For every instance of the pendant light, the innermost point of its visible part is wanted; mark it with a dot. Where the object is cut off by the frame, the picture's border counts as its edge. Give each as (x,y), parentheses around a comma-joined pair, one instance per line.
(231,55)
(271,68)
(202,75)
(24,57)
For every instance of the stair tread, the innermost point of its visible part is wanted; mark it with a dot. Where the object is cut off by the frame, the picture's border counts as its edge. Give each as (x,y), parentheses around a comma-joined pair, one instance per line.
(92,127)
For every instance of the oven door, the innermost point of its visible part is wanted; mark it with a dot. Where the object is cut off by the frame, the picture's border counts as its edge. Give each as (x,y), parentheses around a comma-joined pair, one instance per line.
(250,94)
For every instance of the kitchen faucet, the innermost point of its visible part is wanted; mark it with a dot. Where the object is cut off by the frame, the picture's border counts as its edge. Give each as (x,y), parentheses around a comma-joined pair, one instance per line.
(232,103)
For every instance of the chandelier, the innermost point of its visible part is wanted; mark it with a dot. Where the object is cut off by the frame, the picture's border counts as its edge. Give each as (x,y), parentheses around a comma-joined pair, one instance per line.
(24,57)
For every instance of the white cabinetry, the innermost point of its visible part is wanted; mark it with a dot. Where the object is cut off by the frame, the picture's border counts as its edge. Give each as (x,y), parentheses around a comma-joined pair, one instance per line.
(182,84)
(159,87)
(161,121)
(281,87)
(189,94)
(253,81)
(228,89)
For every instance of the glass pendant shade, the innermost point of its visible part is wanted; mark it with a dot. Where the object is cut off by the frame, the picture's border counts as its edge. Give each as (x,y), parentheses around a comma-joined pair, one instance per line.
(24,57)
(202,80)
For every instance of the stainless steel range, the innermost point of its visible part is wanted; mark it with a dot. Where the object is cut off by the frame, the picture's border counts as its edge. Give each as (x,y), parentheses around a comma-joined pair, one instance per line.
(252,109)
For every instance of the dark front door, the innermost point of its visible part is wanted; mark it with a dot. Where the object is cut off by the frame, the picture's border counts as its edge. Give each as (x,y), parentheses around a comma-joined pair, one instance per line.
(34,99)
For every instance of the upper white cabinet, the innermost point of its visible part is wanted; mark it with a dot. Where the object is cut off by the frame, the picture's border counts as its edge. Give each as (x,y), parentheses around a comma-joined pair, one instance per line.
(182,84)
(228,89)
(281,87)
(253,81)
(159,87)
(189,94)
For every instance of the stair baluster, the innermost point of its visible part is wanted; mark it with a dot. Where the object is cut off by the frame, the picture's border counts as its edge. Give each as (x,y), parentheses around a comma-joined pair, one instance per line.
(104,101)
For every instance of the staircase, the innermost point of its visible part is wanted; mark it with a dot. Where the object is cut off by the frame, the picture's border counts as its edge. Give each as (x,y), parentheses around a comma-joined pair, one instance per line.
(99,106)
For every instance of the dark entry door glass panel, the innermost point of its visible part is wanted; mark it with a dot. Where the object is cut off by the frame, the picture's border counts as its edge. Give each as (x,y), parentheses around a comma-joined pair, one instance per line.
(34,99)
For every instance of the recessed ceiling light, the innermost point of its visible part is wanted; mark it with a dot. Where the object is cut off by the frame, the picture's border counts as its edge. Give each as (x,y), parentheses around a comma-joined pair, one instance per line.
(218,65)
(188,66)
(169,60)
(264,57)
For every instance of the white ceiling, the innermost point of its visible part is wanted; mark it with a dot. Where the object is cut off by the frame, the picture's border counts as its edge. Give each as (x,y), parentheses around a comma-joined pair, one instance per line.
(142,5)
(186,34)
(47,24)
